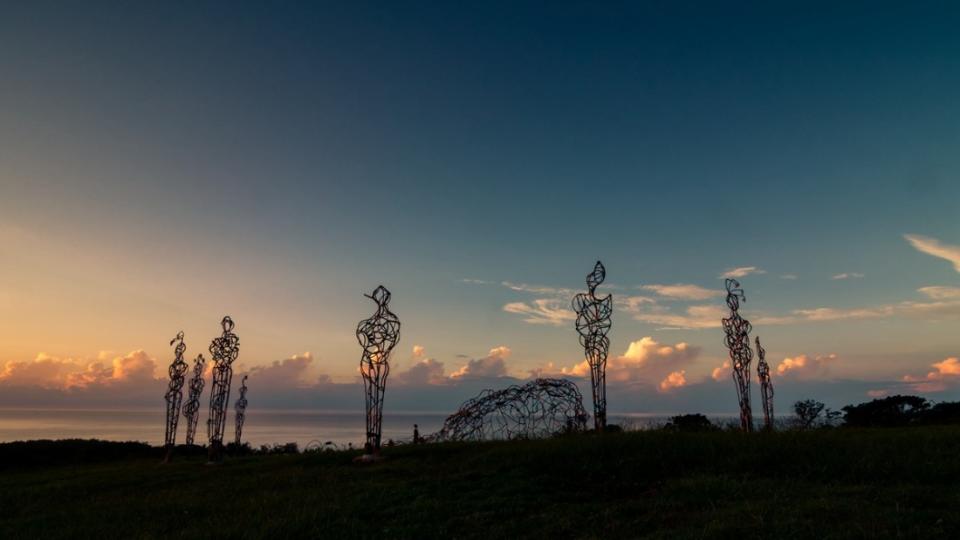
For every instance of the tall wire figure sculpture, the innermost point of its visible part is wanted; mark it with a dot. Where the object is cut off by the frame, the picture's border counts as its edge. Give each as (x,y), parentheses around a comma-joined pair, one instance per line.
(737,330)
(377,335)
(191,409)
(593,324)
(224,351)
(174,394)
(766,386)
(241,408)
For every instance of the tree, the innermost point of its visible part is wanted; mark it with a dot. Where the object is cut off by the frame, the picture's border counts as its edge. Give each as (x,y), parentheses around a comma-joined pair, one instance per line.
(890,411)
(690,422)
(807,413)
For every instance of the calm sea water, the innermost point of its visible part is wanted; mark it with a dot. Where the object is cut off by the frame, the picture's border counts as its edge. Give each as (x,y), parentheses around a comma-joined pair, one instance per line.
(261,427)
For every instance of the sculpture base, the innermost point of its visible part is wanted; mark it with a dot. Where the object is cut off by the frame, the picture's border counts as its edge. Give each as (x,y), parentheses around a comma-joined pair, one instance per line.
(215,452)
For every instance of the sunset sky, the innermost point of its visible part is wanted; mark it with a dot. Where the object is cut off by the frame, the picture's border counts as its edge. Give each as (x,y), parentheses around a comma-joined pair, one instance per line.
(161,167)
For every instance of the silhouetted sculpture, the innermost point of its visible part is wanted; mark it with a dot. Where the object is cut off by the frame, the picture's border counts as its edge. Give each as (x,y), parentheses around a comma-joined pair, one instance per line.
(416,434)
(539,408)
(593,324)
(191,409)
(766,385)
(174,393)
(737,331)
(224,351)
(377,335)
(241,408)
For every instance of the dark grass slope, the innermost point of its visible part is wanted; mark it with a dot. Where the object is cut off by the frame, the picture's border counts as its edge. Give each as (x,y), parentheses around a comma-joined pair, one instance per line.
(821,484)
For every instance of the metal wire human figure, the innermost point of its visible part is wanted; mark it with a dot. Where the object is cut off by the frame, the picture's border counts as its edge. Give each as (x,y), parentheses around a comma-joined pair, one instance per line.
(174,394)
(737,330)
(377,335)
(191,409)
(224,351)
(241,408)
(593,324)
(766,386)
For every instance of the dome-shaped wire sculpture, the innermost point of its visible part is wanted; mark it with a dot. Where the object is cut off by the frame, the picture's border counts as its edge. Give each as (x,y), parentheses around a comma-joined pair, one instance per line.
(540,408)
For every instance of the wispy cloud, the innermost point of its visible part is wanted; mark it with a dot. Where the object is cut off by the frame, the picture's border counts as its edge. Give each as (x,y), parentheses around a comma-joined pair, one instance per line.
(542,311)
(538,289)
(788,276)
(940,292)
(936,248)
(475,281)
(683,291)
(847,275)
(741,271)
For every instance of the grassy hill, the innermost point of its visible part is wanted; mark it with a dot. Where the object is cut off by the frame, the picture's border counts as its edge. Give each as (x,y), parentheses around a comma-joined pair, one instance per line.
(839,483)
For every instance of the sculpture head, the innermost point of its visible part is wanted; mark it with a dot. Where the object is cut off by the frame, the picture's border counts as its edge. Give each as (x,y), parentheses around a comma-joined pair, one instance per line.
(380,295)
(227,324)
(734,294)
(596,277)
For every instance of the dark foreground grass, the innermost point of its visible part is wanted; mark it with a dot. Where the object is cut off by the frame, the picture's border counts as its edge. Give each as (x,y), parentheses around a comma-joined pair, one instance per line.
(823,484)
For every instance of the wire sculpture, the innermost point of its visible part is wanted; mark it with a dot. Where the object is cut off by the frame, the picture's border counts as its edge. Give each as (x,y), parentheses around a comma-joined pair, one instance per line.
(224,351)
(737,339)
(241,408)
(174,394)
(766,386)
(191,409)
(537,409)
(377,335)
(593,324)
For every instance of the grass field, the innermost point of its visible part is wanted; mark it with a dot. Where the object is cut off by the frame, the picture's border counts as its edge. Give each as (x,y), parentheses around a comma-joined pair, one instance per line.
(837,483)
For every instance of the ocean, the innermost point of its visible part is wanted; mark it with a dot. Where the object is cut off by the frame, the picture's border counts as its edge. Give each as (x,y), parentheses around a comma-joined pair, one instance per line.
(262,427)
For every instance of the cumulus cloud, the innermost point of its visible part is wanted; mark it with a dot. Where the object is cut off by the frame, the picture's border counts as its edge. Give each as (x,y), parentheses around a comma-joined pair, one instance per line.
(542,311)
(45,371)
(675,379)
(646,361)
(935,248)
(742,271)
(291,372)
(804,366)
(426,371)
(492,365)
(722,372)
(945,374)
(847,275)
(683,291)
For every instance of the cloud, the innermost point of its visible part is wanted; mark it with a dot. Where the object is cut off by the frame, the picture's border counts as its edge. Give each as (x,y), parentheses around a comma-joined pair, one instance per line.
(932,246)
(721,372)
(940,292)
(426,371)
(492,365)
(806,367)
(475,281)
(945,374)
(291,372)
(788,276)
(675,379)
(542,311)
(418,351)
(683,291)
(646,361)
(44,371)
(132,369)
(834,314)
(540,290)
(693,317)
(847,275)
(742,271)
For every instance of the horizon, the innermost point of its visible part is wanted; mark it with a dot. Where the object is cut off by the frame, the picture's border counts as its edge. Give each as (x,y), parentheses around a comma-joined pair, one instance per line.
(477,161)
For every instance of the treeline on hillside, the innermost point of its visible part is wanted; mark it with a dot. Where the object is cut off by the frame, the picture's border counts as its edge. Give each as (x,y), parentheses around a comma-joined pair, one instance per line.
(891,411)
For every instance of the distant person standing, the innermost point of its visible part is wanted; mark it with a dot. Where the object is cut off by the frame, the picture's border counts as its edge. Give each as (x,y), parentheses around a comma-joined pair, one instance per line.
(416,434)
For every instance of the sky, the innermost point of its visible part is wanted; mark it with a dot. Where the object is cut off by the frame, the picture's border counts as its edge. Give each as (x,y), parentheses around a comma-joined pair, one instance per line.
(162,166)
